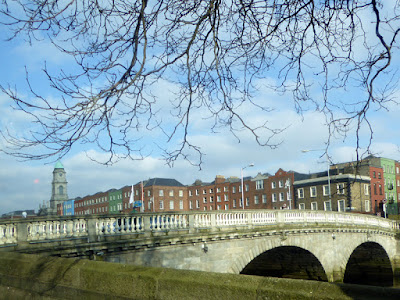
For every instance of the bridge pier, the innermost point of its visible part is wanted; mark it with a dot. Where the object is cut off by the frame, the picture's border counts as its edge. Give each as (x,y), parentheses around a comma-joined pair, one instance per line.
(396,271)
(335,276)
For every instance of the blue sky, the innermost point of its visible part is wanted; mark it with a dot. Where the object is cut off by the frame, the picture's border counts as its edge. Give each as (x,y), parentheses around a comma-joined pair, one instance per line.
(23,185)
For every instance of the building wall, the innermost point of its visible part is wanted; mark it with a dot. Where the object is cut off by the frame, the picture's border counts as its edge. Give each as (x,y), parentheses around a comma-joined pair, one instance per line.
(347,193)
(68,207)
(388,166)
(157,198)
(377,189)
(264,191)
(397,184)
(92,204)
(114,201)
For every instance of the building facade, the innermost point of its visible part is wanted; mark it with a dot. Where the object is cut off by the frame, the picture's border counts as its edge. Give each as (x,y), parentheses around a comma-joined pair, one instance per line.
(336,192)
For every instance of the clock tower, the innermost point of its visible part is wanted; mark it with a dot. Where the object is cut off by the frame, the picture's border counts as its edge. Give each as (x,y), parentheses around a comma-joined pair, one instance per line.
(59,192)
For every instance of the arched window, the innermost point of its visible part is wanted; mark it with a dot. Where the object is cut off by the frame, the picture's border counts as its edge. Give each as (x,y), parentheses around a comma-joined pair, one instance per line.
(61,190)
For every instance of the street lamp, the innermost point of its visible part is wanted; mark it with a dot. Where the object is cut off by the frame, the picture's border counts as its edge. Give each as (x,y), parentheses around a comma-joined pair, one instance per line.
(329,177)
(250,165)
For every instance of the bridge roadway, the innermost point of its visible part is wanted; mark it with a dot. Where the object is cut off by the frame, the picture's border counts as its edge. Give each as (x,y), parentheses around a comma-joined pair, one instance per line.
(326,246)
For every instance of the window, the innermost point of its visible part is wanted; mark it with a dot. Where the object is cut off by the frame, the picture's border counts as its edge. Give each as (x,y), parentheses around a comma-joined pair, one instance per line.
(226,198)
(247,201)
(240,188)
(205,208)
(161,204)
(327,206)
(366,189)
(281,197)
(226,206)
(225,188)
(234,203)
(218,190)
(246,187)
(380,189)
(264,198)
(314,206)
(211,191)
(204,191)
(280,183)
(197,192)
(171,193)
(211,208)
(367,205)
(161,193)
(273,184)
(259,184)
(204,199)
(218,198)
(398,182)
(326,190)
(300,193)
(397,170)
(137,192)
(379,175)
(180,193)
(274,198)
(197,203)
(289,195)
(256,200)
(218,207)
(234,189)
(313,191)
(374,174)
(61,190)
(171,204)
(190,204)
(375,189)
(341,205)
(190,193)
(211,199)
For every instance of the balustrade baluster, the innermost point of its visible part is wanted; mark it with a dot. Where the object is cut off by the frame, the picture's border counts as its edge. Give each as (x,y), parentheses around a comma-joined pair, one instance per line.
(125,225)
(69,228)
(49,230)
(162,222)
(2,234)
(8,234)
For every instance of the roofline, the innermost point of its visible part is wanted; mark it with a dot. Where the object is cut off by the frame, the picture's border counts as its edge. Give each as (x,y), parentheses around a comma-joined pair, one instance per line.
(334,177)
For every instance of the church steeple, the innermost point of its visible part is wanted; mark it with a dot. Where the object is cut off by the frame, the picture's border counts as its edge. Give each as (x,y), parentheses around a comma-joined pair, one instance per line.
(59,191)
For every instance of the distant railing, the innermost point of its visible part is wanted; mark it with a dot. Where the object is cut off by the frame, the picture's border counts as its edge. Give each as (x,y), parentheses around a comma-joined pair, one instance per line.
(34,230)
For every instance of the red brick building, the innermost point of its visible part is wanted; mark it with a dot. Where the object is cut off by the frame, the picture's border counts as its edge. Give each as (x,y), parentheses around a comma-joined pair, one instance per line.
(156,195)
(261,192)
(92,204)
(377,189)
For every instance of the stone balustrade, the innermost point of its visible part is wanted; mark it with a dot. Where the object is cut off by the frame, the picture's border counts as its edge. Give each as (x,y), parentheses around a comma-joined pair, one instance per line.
(57,228)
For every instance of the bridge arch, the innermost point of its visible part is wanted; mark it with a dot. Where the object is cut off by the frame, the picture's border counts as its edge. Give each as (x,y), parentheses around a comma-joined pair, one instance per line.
(369,264)
(331,249)
(286,262)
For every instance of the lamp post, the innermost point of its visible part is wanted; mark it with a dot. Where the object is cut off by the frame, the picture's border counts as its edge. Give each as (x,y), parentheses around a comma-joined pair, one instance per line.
(250,165)
(329,177)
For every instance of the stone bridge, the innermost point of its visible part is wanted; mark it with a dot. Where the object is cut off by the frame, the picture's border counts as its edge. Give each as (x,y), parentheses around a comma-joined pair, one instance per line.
(325,246)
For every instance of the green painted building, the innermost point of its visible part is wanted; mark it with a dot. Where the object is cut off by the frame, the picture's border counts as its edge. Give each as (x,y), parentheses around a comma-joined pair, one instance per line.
(389,176)
(115,201)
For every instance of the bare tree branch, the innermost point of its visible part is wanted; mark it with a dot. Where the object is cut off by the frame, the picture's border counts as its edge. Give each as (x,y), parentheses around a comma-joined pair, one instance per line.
(214,52)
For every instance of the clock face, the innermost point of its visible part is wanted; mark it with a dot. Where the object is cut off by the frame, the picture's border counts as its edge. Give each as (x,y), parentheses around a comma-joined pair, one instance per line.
(59,174)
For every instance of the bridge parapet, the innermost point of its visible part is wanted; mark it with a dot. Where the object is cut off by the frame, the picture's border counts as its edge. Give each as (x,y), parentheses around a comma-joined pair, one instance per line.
(92,227)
